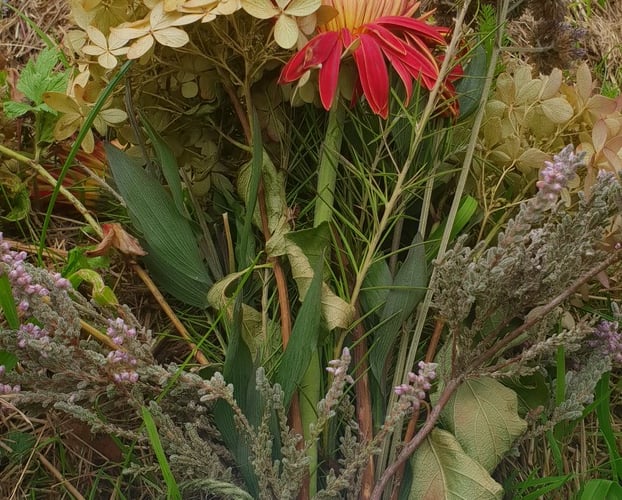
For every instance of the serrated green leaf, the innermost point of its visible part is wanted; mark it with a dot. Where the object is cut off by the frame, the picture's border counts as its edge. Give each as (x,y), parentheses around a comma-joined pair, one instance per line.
(14,109)
(8,360)
(443,471)
(20,206)
(173,255)
(20,446)
(38,76)
(408,288)
(483,415)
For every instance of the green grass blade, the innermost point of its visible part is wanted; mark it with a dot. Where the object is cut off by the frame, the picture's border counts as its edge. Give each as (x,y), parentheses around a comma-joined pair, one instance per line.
(603,413)
(152,432)
(88,122)
(244,256)
(7,303)
(544,485)
(409,287)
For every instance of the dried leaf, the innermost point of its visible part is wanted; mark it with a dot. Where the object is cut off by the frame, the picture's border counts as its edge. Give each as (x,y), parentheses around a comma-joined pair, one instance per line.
(532,158)
(286,32)
(599,135)
(261,9)
(557,109)
(116,237)
(601,106)
(584,85)
(551,84)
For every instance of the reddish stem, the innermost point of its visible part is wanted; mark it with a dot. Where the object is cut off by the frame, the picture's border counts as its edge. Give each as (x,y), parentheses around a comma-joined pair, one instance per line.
(412,425)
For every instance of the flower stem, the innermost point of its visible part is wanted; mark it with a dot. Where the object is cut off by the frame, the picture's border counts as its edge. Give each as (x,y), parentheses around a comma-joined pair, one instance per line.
(329,160)
(327,178)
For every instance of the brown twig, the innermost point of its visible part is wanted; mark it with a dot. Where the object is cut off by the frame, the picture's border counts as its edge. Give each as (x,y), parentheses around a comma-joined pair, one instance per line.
(181,329)
(361,377)
(363,402)
(412,424)
(410,447)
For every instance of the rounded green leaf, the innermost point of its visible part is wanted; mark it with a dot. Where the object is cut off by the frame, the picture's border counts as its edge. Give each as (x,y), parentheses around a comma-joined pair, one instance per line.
(442,470)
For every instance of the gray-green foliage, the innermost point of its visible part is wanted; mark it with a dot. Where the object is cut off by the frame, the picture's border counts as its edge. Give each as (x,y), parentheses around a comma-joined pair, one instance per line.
(484,292)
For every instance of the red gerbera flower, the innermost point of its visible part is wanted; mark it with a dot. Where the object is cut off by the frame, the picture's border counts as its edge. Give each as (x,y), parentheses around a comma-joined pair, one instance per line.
(375,33)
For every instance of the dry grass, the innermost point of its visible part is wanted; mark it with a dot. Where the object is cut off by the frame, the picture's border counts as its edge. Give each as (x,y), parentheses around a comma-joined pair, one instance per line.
(604,41)
(18,41)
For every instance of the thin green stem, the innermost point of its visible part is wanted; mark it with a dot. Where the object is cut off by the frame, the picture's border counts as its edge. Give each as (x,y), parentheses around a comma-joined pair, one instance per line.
(329,160)
(55,183)
(327,178)
(86,126)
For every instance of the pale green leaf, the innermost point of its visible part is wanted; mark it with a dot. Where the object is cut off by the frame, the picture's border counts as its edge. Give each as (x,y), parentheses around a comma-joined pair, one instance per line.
(441,470)
(286,31)
(300,8)
(532,158)
(408,288)
(483,415)
(304,249)
(261,9)
(557,109)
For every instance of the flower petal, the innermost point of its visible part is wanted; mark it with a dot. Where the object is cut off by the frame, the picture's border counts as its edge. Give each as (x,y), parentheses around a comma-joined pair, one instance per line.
(300,8)
(286,31)
(329,76)
(260,9)
(373,74)
(411,25)
(312,55)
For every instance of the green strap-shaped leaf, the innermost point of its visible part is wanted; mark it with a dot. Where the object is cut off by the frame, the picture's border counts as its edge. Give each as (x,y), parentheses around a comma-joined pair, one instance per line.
(152,432)
(173,255)
(466,210)
(471,86)
(303,340)
(168,164)
(409,287)
(7,303)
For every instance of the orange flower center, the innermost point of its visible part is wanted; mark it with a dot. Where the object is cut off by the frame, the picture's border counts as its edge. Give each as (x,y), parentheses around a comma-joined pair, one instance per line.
(352,14)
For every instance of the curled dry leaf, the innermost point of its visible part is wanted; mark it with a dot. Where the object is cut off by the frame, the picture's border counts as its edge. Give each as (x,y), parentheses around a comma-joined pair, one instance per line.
(116,237)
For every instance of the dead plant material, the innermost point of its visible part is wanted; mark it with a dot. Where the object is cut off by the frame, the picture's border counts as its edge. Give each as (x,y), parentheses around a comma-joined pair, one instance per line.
(19,41)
